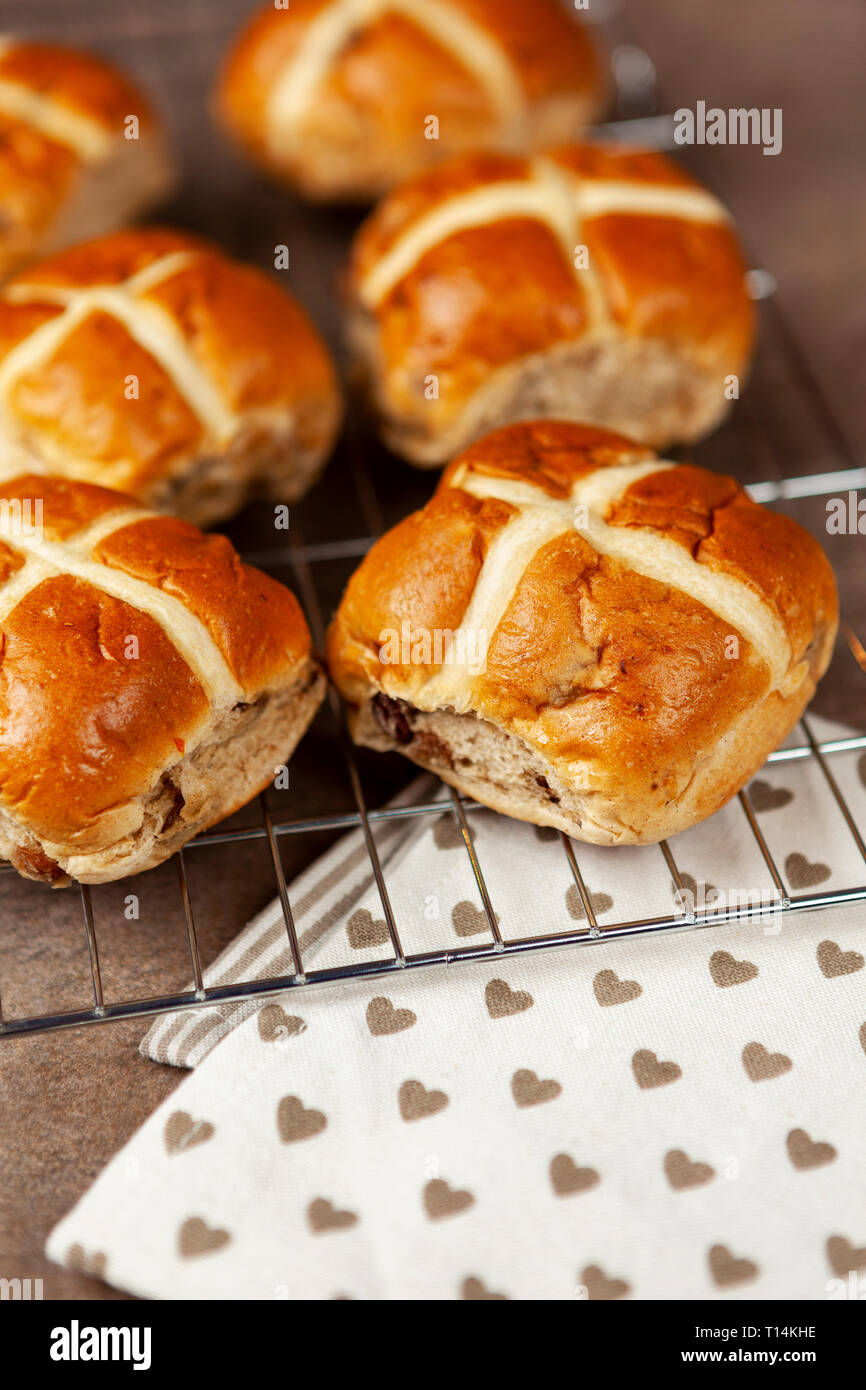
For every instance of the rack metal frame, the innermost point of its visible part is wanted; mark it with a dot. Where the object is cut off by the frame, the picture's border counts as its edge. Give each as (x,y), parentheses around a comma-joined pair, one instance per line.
(846,474)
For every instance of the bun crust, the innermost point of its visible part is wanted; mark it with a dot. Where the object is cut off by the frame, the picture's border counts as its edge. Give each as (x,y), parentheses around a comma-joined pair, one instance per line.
(623,640)
(592,283)
(68,168)
(224,387)
(150,682)
(336,96)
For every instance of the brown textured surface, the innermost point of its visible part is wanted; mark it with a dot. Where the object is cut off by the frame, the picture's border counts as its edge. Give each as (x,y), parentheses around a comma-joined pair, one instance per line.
(69,1101)
(367,123)
(257,346)
(493,294)
(85,730)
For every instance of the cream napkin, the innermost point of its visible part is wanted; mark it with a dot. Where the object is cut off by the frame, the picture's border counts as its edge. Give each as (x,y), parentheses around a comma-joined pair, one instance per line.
(658,1117)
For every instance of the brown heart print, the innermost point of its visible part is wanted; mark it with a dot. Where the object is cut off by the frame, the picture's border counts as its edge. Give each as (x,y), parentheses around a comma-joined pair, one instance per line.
(324,1216)
(844,1257)
(296,1122)
(275,1025)
(416,1102)
(762,1065)
(447,833)
(682,1173)
(567,1178)
(862,1036)
(364,931)
(650,1072)
(834,961)
(703,894)
(527,1089)
(805,1152)
(469,920)
(442,1200)
(544,833)
(727,1269)
(727,971)
(196,1237)
(383,1018)
(767,798)
(599,1287)
(803,874)
(502,1001)
(473,1290)
(601,903)
(183,1132)
(92,1262)
(610,989)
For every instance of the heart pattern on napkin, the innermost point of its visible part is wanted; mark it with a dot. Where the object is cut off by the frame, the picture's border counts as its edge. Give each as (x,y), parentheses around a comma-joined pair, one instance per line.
(469,920)
(682,1173)
(609,989)
(762,1065)
(473,1290)
(650,1072)
(416,1102)
(275,1025)
(800,873)
(440,1199)
(295,1122)
(364,931)
(528,1090)
(805,1153)
(727,971)
(183,1132)
(503,1002)
(834,961)
(601,903)
(566,1177)
(766,798)
(383,1018)
(196,1238)
(727,1269)
(844,1256)
(599,1287)
(447,833)
(324,1216)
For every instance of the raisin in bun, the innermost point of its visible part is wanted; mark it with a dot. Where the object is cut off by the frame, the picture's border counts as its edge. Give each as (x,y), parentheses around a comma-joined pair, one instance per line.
(591,283)
(152,362)
(344,98)
(81,150)
(621,640)
(150,683)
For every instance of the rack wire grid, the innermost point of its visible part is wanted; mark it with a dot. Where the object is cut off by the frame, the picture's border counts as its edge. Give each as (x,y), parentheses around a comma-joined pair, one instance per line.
(761,431)
(311,563)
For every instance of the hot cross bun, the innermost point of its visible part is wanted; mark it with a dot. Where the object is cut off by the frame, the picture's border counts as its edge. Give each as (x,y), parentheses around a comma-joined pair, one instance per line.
(583,635)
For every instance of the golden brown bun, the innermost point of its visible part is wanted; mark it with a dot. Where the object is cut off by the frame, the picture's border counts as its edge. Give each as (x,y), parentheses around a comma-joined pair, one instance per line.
(472,305)
(150,683)
(631,638)
(337,96)
(151,362)
(72,162)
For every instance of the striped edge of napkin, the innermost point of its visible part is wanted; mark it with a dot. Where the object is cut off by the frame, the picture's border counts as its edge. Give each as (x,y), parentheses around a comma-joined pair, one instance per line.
(320,897)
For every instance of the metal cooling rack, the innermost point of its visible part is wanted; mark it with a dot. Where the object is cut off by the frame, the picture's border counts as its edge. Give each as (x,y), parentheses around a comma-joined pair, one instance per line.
(306,562)
(746,437)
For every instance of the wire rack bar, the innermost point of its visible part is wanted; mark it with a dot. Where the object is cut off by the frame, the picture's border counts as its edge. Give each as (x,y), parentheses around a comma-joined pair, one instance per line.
(256,989)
